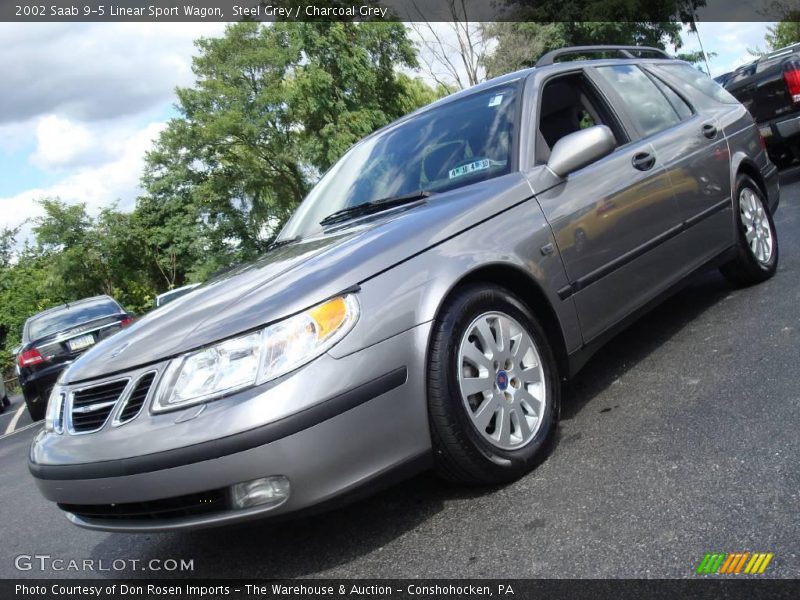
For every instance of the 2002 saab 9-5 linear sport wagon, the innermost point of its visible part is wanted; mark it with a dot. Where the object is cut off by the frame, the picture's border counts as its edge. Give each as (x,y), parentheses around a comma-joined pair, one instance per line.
(423,304)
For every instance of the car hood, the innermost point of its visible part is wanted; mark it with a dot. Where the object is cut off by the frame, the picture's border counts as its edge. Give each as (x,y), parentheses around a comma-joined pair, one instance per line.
(291,278)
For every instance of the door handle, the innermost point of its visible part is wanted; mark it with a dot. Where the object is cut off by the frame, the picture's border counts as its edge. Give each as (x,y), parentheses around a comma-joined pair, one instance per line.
(643,161)
(710,131)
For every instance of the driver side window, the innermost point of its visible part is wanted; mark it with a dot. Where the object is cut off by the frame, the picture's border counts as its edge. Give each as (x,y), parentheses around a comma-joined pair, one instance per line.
(568,104)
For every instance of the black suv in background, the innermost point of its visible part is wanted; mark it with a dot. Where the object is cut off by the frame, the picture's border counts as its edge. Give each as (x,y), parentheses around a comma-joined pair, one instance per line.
(52,339)
(770,89)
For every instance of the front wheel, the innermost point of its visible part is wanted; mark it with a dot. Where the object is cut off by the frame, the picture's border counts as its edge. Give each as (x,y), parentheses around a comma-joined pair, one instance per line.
(756,239)
(493,387)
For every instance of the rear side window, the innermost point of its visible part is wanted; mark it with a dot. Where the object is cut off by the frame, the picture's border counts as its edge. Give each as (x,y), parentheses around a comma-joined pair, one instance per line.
(694,80)
(678,103)
(69,317)
(648,107)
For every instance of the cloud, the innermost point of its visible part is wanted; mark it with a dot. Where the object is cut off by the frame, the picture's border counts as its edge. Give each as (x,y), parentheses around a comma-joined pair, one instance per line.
(97,186)
(729,41)
(82,104)
(62,143)
(93,71)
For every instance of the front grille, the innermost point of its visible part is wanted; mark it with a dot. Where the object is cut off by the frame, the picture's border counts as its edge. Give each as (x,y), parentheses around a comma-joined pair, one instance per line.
(135,401)
(190,505)
(91,406)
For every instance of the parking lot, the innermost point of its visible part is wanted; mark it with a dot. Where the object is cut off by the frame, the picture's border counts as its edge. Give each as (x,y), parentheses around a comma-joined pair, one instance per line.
(679,438)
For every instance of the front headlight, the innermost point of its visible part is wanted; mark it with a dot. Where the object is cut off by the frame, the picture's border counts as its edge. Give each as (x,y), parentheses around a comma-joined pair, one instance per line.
(256,357)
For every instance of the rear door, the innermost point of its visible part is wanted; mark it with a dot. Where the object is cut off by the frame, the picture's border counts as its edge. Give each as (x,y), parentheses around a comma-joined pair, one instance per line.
(691,146)
(611,218)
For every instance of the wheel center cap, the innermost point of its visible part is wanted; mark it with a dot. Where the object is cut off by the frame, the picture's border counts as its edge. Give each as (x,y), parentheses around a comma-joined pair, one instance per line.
(502,380)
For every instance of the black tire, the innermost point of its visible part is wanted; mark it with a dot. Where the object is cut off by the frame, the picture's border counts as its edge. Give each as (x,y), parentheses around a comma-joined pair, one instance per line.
(461,453)
(36,410)
(745,269)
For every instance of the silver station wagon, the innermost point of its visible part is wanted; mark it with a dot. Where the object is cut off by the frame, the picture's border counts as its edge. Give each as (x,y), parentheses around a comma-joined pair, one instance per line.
(423,304)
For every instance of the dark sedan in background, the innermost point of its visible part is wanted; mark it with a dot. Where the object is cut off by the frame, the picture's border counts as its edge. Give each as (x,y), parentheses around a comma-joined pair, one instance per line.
(52,339)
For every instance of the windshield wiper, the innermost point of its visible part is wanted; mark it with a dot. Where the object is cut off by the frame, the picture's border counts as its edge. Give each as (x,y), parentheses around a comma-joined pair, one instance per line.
(374,206)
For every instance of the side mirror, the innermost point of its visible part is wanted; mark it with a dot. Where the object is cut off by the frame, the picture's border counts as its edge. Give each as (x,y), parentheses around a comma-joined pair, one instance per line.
(581,148)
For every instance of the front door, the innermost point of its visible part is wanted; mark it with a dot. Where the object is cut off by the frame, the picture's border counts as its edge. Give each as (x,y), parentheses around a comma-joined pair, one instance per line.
(609,219)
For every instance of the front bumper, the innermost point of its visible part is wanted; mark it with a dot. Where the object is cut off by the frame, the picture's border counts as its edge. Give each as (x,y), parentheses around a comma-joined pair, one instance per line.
(350,434)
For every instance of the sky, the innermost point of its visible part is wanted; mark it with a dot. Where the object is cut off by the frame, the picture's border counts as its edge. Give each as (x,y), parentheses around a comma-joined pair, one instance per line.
(83,102)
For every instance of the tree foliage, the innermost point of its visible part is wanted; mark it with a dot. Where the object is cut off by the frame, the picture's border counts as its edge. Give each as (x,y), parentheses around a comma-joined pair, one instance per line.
(273,107)
(519,45)
(785,32)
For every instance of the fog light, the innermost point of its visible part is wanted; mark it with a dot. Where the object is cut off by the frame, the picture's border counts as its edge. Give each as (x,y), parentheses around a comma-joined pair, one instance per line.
(266,491)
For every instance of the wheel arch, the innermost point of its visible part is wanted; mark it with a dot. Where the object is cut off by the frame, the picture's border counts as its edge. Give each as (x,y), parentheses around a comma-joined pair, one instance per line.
(743,165)
(525,287)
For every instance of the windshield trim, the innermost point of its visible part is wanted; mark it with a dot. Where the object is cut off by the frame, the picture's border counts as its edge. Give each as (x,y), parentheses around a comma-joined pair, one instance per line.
(515,83)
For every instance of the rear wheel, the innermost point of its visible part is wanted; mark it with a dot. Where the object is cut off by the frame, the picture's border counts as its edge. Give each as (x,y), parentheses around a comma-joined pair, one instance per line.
(493,387)
(756,240)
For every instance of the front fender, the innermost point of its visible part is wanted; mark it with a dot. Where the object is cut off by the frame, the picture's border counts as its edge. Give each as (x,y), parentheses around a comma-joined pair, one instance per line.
(412,292)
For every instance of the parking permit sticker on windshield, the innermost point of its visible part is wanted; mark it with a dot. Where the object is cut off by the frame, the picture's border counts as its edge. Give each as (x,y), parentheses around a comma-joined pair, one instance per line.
(495,100)
(478,165)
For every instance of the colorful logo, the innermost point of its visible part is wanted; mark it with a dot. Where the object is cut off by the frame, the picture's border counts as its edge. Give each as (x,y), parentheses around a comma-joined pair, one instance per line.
(735,563)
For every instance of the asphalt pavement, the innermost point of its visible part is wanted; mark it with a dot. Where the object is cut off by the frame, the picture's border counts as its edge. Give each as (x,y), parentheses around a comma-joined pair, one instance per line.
(15,417)
(679,438)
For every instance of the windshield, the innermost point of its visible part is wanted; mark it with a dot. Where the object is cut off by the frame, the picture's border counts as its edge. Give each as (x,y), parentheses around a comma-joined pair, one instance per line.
(69,317)
(447,147)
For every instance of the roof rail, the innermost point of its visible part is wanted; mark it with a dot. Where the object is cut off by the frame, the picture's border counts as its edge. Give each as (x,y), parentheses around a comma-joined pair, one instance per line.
(625,51)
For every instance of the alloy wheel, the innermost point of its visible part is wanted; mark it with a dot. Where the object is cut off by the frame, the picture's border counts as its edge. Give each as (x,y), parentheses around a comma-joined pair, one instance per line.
(755,222)
(501,380)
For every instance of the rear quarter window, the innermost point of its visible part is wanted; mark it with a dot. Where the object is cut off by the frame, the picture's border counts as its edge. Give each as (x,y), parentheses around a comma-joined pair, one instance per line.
(692,80)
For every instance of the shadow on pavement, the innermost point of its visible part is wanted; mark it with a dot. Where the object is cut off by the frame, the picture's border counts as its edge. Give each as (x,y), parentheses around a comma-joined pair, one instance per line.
(635,343)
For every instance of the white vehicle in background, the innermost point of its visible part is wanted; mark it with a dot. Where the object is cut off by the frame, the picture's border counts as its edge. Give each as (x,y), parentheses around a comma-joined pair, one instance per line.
(171,295)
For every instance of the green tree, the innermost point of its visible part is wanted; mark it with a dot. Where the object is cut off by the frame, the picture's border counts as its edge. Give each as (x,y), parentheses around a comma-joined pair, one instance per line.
(23,292)
(519,45)
(273,107)
(785,32)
